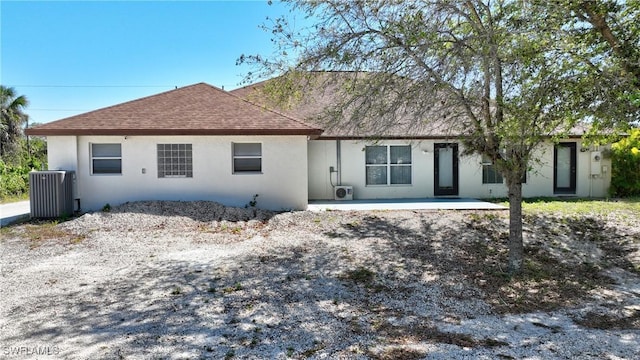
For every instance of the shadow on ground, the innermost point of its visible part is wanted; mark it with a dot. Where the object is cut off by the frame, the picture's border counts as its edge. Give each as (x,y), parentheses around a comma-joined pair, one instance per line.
(349,284)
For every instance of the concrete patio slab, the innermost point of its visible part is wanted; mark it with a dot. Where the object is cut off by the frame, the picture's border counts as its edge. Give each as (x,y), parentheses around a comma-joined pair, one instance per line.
(12,212)
(405,204)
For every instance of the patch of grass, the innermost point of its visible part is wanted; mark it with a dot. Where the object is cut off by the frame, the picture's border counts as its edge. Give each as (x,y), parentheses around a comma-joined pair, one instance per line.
(229,289)
(14,198)
(578,205)
(38,232)
(7,232)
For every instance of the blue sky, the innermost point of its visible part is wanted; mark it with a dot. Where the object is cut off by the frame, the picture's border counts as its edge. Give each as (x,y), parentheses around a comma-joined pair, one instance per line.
(69,57)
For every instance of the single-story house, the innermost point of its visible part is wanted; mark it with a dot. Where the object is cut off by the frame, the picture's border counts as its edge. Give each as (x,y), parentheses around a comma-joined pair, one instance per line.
(203,143)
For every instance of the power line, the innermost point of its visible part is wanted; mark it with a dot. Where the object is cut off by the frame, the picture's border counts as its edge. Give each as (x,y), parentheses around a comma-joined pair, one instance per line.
(30,109)
(94,86)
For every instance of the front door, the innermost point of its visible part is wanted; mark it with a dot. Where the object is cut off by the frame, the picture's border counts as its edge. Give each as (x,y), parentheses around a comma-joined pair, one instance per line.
(445,169)
(564,168)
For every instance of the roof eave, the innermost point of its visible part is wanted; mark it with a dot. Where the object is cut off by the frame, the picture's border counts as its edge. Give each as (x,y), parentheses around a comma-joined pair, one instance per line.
(175,132)
(406,137)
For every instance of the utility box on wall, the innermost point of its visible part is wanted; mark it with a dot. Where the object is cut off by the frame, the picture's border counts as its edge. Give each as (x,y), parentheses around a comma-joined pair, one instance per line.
(596,162)
(51,193)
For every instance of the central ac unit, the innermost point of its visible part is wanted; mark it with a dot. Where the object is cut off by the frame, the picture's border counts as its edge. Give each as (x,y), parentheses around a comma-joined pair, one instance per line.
(51,193)
(343,192)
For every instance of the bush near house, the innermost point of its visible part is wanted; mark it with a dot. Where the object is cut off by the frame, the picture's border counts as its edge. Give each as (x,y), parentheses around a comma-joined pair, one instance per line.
(14,170)
(625,166)
(14,182)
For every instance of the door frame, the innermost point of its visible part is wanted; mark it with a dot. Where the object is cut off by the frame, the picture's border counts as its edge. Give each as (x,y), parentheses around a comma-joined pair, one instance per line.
(437,190)
(572,168)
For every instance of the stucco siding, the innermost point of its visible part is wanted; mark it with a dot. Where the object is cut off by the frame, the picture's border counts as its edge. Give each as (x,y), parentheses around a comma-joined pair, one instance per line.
(282,184)
(539,182)
(62,153)
(321,156)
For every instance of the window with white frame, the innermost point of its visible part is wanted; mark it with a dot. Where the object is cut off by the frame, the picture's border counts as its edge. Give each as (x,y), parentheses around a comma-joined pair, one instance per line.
(388,165)
(490,174)
(247,158)
(106,159)
(175,160)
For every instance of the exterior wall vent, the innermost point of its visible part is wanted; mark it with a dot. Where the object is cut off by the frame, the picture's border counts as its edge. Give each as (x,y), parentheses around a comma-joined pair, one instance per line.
(51,193)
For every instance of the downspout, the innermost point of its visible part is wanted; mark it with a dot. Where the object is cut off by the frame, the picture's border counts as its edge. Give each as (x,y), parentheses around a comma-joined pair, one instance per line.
(338,163)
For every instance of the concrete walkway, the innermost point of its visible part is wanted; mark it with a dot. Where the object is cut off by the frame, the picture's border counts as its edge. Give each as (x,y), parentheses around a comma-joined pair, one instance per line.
(12,212)
(406,204)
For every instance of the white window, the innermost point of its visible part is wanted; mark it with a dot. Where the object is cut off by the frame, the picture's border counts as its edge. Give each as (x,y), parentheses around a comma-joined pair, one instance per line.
(490,175)
(388,165)
(247,158)
(106,159)
(175,160)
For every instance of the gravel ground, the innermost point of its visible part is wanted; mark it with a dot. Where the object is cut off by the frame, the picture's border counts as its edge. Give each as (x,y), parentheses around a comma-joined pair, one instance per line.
(180,280)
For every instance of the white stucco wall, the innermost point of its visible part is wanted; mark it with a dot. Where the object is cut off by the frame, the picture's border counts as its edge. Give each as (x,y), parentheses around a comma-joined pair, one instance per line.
(322,154)
(281,185)
(62,153)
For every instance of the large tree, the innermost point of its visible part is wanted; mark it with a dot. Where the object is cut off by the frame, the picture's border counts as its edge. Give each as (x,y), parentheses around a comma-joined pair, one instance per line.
(612,28)
(496,74)
(12,119)
(603,35)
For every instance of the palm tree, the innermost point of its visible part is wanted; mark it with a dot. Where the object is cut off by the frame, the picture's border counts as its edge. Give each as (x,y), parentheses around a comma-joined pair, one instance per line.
(12,119)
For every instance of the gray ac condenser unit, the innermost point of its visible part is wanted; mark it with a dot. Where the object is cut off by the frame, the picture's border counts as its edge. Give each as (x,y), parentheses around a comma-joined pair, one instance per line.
(51,193)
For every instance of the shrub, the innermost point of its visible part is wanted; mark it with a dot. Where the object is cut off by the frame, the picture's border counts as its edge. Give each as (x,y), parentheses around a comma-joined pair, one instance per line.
(625,166)
(15,180)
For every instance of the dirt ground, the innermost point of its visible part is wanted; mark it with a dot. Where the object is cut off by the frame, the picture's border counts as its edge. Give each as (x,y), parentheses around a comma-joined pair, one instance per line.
(182,280)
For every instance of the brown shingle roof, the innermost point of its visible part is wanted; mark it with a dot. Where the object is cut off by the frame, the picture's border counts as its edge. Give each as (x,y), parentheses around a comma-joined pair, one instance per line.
(320,91)
(199,109)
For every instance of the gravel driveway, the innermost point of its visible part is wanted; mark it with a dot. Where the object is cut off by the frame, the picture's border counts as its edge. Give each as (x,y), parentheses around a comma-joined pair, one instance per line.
(181,280)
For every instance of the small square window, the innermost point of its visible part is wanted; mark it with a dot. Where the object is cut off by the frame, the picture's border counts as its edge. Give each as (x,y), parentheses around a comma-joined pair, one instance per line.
(247,157)
(106,159)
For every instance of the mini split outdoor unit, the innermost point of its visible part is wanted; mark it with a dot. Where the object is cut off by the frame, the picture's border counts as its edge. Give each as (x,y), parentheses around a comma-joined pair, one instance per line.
(342,192)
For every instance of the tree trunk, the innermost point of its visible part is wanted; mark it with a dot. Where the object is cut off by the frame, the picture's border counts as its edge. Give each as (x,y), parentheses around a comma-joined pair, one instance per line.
(516,246)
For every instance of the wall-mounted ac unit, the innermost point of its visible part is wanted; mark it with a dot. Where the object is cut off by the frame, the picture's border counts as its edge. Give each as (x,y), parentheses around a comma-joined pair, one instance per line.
(343,192)
(51,193)
(596,160)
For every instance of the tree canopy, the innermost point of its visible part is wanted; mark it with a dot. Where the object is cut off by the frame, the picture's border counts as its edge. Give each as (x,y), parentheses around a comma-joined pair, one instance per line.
(12,118)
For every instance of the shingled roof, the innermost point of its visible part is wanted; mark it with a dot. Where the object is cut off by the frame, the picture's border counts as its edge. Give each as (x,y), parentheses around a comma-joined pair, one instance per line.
(322,90)
(199,109)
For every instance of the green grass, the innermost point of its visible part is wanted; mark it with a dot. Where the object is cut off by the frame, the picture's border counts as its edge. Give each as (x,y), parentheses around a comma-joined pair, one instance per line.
(14,198)
(578,206)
